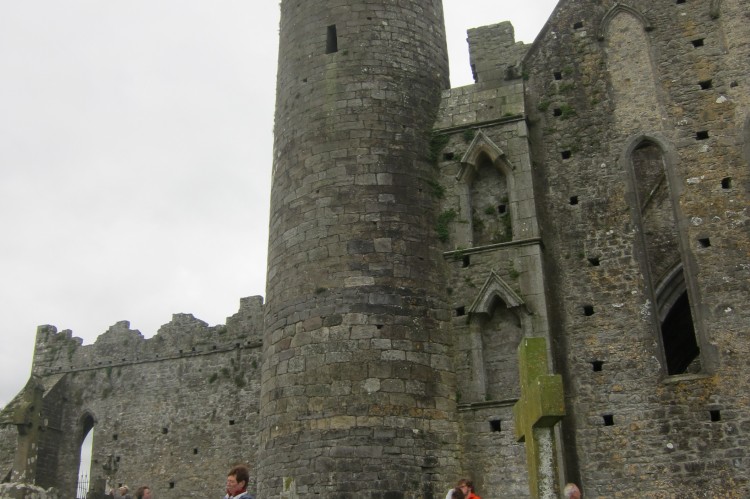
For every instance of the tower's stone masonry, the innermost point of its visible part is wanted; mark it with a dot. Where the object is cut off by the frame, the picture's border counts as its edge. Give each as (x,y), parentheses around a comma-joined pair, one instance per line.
(357,382)
(591,189)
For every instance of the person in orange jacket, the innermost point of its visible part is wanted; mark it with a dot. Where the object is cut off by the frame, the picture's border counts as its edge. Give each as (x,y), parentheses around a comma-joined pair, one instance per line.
(466,487)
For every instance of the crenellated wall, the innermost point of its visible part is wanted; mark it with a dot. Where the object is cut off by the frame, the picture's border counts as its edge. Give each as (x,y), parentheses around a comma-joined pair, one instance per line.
(174,411)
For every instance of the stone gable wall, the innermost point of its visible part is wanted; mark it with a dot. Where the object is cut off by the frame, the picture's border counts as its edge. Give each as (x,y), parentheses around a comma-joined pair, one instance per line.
(629,422)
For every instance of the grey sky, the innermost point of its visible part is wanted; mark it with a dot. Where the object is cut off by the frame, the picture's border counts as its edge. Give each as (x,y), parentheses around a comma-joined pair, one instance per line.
(135,158)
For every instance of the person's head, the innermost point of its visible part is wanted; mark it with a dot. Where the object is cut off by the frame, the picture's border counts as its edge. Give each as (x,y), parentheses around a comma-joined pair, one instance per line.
(143,492)
(458,494)
(237,479)
(571,491)
(123,490)
(465,486)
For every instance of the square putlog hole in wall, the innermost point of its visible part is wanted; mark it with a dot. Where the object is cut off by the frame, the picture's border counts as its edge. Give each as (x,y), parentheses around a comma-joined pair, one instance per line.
(597,365)
(495,425)
(715,415)
(704,242)
(609,419)
(588,310)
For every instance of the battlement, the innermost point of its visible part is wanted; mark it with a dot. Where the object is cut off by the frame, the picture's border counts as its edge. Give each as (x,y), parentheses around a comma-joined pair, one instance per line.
(183,336)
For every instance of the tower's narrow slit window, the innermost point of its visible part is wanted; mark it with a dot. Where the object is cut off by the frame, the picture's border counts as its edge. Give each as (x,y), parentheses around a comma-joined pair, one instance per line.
(332,40)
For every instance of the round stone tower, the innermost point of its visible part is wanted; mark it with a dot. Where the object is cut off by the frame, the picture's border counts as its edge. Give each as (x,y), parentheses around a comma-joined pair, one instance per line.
(358,394)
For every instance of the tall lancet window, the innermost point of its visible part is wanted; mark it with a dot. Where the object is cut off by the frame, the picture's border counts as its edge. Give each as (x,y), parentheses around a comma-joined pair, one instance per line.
(662,259)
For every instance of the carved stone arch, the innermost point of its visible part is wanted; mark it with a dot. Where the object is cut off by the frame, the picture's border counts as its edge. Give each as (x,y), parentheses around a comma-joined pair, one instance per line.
(86,422)
(494,287)
(481,144)
(619,8)
(486,181)
(669,151)
(669,290)
(498,320)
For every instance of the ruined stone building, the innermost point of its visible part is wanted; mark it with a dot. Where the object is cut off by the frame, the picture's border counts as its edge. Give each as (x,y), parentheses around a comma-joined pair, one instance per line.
(590,189)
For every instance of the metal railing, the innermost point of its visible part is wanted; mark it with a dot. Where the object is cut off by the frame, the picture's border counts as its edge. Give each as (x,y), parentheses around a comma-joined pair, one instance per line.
(83,487)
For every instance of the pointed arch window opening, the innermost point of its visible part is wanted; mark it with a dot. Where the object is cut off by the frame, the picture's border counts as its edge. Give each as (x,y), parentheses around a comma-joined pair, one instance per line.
(487,197)
(662,260)
(85,455)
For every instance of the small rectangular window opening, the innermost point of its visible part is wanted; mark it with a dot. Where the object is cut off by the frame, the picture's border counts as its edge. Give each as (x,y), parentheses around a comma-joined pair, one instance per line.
(705,242)
(495,425)
(448,156)
(706,84)
(332,42)
(231,422)
(726,183)
(597,365)
(566,154)
(460,311)
(574,200)
(680,1)
(715,415)
(171,485)
(588,310)
(578,25)
(609,419)
(557,112)
(702,135)
(697,43)
(557,75)
(114,437)
(466,261)
(502,209)
(164,431)
(195,451)
(594,261)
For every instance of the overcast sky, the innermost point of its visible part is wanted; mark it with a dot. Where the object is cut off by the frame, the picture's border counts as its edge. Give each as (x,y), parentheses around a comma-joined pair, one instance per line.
(135,158)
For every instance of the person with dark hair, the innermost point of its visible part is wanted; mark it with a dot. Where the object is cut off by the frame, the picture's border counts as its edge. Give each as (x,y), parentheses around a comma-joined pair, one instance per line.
(237,480)
(465,487)
(143,492)
(457,494)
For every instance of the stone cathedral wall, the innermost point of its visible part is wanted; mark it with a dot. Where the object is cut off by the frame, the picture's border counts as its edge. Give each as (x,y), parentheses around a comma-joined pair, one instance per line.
(605,78)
